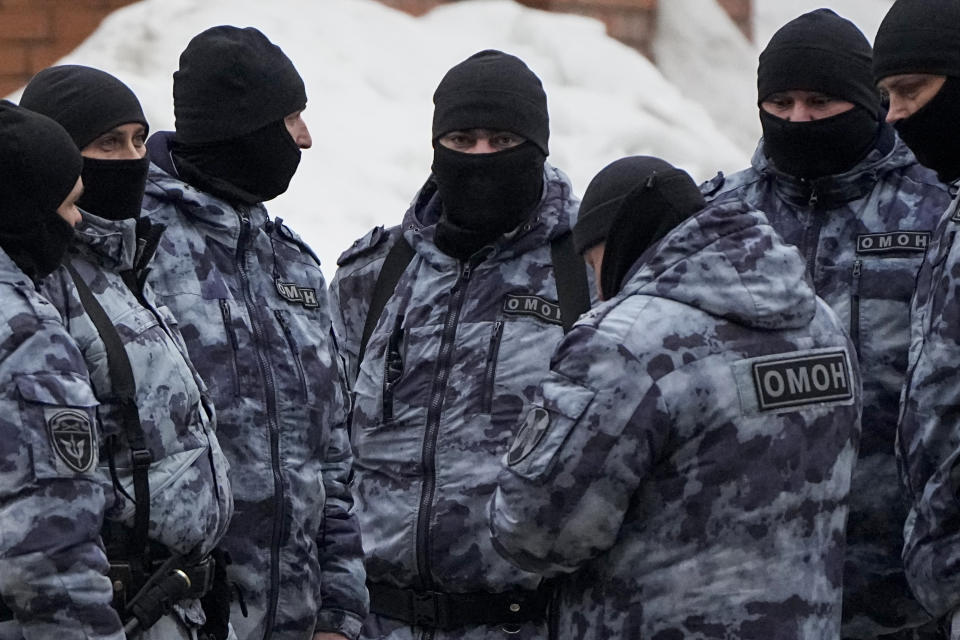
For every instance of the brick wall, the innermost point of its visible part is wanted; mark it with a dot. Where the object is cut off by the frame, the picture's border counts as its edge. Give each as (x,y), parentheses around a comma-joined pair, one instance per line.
(36,33)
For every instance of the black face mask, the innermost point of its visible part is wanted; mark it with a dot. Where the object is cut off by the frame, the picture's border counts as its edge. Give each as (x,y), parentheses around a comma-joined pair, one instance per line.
(484,195)
(819,148)
(253,168)
(38,249)
(932,132)
(113,189)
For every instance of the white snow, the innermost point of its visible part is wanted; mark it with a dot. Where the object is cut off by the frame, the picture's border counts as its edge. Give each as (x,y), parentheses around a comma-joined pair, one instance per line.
(370,73)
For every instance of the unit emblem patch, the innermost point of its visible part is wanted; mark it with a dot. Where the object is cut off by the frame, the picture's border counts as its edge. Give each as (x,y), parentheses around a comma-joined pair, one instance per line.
(71,433)
(531,433)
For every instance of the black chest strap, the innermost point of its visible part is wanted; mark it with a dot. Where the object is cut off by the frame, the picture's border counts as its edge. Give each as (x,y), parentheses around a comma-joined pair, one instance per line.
(124,390)
(569,271)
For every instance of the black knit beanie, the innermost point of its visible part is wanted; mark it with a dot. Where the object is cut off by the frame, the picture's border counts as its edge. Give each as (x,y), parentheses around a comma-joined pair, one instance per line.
(87,102)
(819,51)
(38,160)
(630,205)
(918,36)
(40,165)
(605,195)
(492,90)
(231,82)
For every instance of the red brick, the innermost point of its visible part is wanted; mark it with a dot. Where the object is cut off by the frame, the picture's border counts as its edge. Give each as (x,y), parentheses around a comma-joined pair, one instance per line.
(13,59)
(9,84)
(20,23)
(72,25)
(41,56)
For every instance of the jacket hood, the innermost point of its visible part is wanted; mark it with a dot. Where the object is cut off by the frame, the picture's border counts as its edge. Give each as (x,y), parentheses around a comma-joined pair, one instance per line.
(112,243)
(888,154)
(729,262)
(554,215)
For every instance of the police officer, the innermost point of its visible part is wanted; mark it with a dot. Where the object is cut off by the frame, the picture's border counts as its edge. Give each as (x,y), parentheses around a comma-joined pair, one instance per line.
(446,320)
(689,455)
(53,581)
(917,64)
(161,463)
(251,304)
(836,182)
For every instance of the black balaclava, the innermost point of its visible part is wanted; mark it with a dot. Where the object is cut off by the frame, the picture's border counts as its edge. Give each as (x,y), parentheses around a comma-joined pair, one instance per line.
(230,97)
(819,51)
(923,36)
(40,165)
(88,102)
(630,205)
(485,196)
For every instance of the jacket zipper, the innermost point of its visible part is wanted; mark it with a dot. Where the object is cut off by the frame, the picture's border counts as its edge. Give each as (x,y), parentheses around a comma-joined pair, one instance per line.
(270,395)
(490,372)
(855,306)
(288,333)
(434,409)
(812,238)
(234,343)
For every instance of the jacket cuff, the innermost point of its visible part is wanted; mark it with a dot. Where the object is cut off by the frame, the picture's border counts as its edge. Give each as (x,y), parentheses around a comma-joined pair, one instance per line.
(339,621)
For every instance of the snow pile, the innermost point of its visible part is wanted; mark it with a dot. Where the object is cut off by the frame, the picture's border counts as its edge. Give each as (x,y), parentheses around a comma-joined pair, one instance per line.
(370,73)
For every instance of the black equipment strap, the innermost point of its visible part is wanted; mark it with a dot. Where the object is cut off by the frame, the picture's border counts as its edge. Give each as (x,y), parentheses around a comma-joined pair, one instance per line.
(437,610)
(570,273)
(399,256)
(124,393)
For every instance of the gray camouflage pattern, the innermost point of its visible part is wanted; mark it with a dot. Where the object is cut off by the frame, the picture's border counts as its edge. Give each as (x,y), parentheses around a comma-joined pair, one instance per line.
(428,439)
(869,286)
(190,499)
(252,307)
(52,567)
(929,435)
(190,502)
(662,489)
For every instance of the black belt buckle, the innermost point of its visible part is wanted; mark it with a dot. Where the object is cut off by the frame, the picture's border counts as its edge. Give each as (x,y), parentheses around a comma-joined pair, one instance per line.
(428,610)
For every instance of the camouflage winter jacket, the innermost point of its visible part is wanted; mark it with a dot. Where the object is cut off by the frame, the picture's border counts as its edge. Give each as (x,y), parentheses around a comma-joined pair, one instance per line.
(929,437)
(462,351)
(190,500)
(690,453)
(252,307)
(52,567)
(863,234)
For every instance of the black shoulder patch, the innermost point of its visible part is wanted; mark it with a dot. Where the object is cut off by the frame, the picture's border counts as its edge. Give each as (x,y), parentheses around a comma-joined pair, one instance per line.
(801,380)
(893,241)
(373,239)
(713,185)
(289,235)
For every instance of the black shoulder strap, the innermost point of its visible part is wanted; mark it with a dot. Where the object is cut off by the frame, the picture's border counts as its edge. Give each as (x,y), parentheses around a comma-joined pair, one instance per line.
(570,273)
(399,256)
(124,392)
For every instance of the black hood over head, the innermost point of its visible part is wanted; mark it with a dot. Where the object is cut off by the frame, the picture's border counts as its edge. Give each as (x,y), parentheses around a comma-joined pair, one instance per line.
(825,53)
(40,165)
(492,90)
(923,36)
(630,205)
(230,97)
(88,102)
